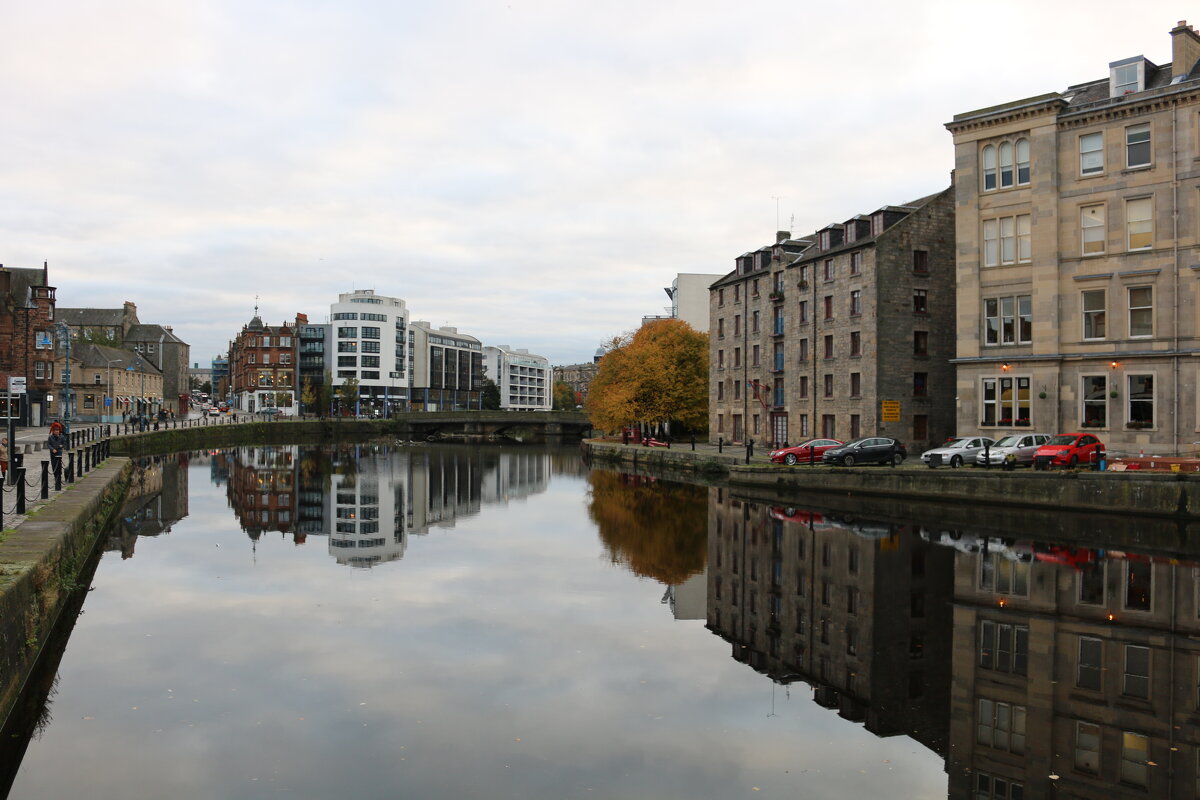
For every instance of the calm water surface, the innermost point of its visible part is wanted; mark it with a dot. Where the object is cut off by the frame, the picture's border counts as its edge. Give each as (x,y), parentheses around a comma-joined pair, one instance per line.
(503,623)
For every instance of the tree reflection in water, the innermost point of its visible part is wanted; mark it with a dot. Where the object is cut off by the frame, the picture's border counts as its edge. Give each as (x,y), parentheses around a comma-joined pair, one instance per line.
(655,528)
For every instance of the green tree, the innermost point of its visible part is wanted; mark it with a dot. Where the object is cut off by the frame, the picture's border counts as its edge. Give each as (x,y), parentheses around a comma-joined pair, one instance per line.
(564,396)
(348,394)
(660,375)
(309,397)
(490,395)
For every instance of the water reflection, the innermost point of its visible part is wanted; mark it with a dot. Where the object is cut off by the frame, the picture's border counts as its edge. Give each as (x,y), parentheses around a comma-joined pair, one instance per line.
(1036,669)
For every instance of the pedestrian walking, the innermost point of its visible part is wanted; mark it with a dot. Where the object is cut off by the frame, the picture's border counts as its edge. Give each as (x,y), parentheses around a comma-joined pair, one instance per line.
(55,444)
(3,457)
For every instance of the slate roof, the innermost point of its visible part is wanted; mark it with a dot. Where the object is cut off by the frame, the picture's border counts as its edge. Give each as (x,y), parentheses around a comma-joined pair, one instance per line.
(151,333)
(91,317)
(97,355)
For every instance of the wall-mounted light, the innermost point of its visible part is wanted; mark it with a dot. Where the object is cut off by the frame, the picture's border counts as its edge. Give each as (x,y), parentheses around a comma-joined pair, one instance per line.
(1114,364)
(1005,367)
(1002,602)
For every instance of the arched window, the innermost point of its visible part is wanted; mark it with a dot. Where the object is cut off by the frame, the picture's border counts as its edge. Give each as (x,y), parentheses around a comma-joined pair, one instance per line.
(989,168)
(1006,165)
(1022,162)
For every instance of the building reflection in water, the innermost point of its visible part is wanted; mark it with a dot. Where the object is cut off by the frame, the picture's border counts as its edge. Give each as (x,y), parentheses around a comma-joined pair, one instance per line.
(1035,669)
(157,498)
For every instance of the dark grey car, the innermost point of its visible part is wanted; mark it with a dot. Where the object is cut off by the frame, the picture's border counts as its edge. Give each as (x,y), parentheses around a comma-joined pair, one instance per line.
(869,450)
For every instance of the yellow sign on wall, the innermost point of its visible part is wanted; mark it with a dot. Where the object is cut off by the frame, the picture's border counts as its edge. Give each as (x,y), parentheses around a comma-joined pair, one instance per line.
(890,410)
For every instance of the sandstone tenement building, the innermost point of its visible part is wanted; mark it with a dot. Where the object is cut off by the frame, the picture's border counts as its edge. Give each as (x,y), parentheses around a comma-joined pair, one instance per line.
(1077,224)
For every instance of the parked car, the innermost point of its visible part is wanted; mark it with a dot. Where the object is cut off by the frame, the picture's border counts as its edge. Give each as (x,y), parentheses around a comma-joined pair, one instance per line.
(957,452)
(869,450)
(270,412)
(1068,450)
(213,411)
(1021,446)
(805,452)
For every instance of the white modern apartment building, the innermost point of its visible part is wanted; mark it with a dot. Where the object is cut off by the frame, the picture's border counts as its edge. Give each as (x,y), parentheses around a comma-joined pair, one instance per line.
(446,368)
(369,336)
(524,378)
(689,299)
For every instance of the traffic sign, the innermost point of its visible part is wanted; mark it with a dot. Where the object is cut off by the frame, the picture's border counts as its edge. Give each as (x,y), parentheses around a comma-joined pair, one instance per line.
(16,385)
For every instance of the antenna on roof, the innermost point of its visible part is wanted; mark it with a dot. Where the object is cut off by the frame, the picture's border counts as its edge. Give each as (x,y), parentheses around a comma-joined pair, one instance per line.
(256,305)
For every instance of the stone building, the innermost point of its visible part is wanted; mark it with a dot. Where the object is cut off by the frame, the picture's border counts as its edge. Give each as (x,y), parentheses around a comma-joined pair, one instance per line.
(109,384)
(579,376)
(1078,223)
(814,336)
(1076,679)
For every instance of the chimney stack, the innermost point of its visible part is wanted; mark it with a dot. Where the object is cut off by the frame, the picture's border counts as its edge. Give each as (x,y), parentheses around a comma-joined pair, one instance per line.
(1185,49)
(782,236)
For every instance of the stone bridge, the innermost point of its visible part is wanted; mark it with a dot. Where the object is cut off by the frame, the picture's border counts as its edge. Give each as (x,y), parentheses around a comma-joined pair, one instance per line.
(524,425)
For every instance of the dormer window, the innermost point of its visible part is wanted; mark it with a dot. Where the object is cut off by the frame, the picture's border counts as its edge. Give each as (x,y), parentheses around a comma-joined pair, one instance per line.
(824,240)
(851,231)
(1127,76)
(877,224)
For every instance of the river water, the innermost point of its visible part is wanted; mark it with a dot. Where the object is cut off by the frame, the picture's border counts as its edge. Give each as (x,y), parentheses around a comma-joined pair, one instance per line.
(459,622)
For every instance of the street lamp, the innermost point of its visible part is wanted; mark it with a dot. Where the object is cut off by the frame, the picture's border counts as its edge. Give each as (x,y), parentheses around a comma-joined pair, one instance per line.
(65,332)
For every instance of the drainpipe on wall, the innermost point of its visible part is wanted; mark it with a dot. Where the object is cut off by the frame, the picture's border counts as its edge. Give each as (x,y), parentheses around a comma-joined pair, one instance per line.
(1175,277)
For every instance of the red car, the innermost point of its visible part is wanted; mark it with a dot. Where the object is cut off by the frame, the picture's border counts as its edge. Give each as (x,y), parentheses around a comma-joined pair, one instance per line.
(1068,450)
(809,452)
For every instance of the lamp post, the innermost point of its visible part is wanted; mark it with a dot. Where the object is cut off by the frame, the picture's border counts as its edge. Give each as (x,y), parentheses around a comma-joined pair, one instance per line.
(65,333)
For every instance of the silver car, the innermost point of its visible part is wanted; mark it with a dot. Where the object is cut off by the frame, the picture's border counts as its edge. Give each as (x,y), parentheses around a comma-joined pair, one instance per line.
(956,452)
(1021,446)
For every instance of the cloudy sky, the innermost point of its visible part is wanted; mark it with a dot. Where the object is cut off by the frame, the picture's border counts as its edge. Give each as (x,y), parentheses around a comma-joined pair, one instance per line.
(531,172)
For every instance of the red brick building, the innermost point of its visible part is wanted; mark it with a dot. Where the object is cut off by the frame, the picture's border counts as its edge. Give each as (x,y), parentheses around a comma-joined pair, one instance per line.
(27,341)
(262,367)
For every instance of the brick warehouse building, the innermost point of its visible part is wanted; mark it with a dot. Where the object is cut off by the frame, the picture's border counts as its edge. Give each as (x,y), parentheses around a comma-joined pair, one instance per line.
(1078,240)
(810,336)
(27,341)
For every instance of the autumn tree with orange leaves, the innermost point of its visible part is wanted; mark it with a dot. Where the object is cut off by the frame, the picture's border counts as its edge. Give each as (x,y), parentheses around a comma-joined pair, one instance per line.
(658,375)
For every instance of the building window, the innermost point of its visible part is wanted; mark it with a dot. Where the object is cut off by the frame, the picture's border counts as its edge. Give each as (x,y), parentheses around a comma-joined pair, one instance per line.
(720,359)
(1007,240)
(1090,582)
(1141,311)
(1135,752)
(828,385)
(1141,401)
(1003,647)
(1008,320)
(829,272)
(1022,148)
(1126,78)
(1089,670)
(347,333)
(1006,165)
(720,391)
(1091,154)
(855,391)
(1091,223)
(828,342)
(802,388)
(828,423)
(803,350)
(989,168)
(753,322)
(1087,747)
(1003,576)
(737,324)
(920,343)
(855,430)
(754,356)
(1139,585)
(802,312)
(266,358)
(855,343)
(1005,401)
(1137,672)
(920,384)
(828,306)
(1137,146)
(720,297)
(920,301)
(921,261)
(1095,401)
(1139,223)
(1001,726)
(737,357)
(855,302)
(920,426)
(856,262)
(737,293)
(1093,313)
(754,288)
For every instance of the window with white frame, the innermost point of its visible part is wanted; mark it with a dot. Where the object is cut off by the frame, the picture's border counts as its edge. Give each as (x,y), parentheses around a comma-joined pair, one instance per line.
(1022,148)
(1001,726)
(1089,669)
(1126,78)
(1091,154)
(855,302)
(1094,308)
(1139,223)
(1137,146)
(1141,311)
(1087,747)
(1002,575)
(1092,231)
(1136,682)
(1008,320)
(1141,401)
(1135,752)
(1007,240)
(988,157)
(856,262)
(1095,401)
(1139,585)
(1005,401)
(1006,165)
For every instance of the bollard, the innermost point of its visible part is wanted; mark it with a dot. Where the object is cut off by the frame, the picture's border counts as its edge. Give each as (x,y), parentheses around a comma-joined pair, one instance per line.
(987,454)
(720,444)
(693,441)
(58,476)
(71,467)
(20,489)
(18,461)
(45,480)
(749,450)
